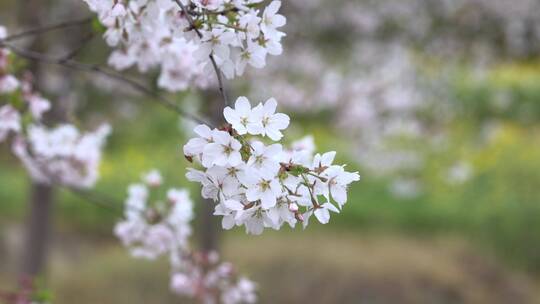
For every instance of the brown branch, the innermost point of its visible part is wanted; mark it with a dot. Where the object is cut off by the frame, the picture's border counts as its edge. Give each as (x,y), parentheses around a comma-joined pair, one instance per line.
(212,59)
(96,198)
(49,28)
(75,51)
(31,55)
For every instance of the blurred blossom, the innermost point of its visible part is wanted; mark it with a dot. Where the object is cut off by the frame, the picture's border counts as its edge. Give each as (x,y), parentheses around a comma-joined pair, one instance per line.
(406,189)
(384,69)
(459,173)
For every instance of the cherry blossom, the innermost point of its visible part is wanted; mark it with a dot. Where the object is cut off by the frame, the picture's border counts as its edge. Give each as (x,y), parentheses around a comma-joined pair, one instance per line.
(271,21)
(158,34)
(153,178)
(152,228)
(148,233)
(272,122)
(242,117)
(10,121)
(8,84)
(62,155)
(264,186)
(322,213)
(223,151)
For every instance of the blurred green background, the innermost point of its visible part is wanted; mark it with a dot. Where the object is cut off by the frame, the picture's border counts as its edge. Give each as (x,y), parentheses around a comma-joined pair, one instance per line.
(476,241)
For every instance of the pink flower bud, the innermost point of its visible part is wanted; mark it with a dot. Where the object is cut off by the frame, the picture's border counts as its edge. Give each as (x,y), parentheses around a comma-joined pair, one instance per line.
(293,207)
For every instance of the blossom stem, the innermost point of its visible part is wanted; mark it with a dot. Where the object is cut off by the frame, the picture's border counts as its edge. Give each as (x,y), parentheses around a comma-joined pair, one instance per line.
(214,64)
(324,180)
(313,199)
(232,26)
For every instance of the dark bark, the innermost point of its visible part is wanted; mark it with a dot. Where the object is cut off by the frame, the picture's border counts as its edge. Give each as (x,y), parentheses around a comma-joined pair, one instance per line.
(38,231)
(210,225)
(41,196)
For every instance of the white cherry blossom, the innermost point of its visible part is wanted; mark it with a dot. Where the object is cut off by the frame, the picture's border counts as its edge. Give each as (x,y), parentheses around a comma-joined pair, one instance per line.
(8,84)
(262,185)
(155,34)
(225,150)
(264,158)
(271,20)
(272,122)
(322,213)
(242,118)
(265,186)
(10,121)
(152,228)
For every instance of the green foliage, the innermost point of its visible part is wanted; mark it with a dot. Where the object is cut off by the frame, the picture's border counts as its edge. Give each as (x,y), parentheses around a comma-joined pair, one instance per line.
(498,207)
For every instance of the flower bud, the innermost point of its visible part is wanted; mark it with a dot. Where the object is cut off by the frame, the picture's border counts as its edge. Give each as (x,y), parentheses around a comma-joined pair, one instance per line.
(293,207)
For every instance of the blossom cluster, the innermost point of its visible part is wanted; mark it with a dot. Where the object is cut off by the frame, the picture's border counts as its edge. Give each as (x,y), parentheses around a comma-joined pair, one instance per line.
(151,230)
(264,186)
(62,154)
(158,33)
(24,97)
(202,276)
(153,227)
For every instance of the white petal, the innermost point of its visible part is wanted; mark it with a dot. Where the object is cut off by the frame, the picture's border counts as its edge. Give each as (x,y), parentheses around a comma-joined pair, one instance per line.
(231,116)
(279,21)
(234,205)
(330,207)
(328,158)
(242,105)
(272,8)
(227,222)
(270,106)
(339,194)
(280,121)
(322,215)
(268,200)
(274,134)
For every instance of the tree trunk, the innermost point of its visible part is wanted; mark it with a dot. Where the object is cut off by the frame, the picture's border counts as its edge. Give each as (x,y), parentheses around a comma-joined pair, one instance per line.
(38,229)
(210,225)
(41,196)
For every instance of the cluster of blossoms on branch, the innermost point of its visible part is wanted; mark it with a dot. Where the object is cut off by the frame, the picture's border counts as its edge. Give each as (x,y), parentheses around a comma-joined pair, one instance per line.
(60,155)
(264,186)
(158,33)
(154,227)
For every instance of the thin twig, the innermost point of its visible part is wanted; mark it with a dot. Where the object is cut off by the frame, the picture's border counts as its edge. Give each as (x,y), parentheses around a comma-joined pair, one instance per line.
(74,52)
(72,64)
(212,59)
(53,27)
(96,198)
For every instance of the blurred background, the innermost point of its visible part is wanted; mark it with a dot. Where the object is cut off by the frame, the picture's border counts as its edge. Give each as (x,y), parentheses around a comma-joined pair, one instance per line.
(435,102)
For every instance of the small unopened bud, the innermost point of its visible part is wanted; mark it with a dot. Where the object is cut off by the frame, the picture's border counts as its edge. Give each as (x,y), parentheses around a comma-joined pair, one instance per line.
(293,207)
(153,178)
(227,128)
(213,257)
(299,217)
(226,269)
